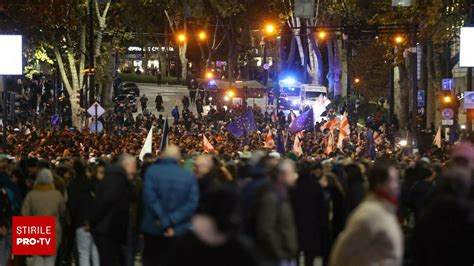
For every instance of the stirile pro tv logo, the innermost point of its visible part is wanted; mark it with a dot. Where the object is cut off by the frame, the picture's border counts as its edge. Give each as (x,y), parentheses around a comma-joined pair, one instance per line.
(34,235)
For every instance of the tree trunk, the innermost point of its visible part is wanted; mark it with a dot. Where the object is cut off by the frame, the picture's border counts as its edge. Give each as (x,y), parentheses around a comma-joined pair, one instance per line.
(184,61)
(330,75)
(82,60)
(337,69)
(438,70)
(316,60)
(431,93)
(423,83)
(291,54)
(404,95)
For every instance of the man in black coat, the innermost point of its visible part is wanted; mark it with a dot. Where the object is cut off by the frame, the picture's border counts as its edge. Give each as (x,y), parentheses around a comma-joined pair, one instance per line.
(110,220)
(444,233)
(307,200)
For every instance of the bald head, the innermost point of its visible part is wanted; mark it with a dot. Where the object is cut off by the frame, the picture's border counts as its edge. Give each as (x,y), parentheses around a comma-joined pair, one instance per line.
(172,152)
(203,165)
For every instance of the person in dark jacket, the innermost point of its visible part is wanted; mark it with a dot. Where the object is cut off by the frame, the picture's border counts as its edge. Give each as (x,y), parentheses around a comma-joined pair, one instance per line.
(170,197)
(159,103)
(5,224)
(355,186)
(444,233)
(185,102)
(110,220)
(276,238)
(81,195)
(422,189)
(307,201)
(175,114)
(214,240)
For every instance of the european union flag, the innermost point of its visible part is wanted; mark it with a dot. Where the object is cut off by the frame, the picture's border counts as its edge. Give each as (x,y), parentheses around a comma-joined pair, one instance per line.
(303,122)
(371,143)
(246,123)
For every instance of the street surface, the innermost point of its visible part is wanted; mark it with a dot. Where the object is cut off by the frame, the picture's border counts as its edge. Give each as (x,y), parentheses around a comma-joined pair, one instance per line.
(172,96)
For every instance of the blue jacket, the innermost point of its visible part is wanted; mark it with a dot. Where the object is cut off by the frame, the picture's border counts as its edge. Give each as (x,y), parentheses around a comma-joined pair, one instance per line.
(170,197)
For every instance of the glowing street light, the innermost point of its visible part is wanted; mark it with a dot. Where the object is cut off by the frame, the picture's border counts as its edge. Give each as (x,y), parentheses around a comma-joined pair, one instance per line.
(399,39)
(181,38)
(202,35)
(270,29)
(209,75)
(230,94)
(447,99)
(357,80)
(322,35)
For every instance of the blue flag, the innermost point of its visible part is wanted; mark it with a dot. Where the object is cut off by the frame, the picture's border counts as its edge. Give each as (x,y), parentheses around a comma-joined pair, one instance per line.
(164,136)
(303,122)
(371,143)
(246,123)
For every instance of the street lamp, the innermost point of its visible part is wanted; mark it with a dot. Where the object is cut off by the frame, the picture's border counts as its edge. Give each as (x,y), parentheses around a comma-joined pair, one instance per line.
(270,29)
(202,35)
(447,99)
(398,39)
(322,35)
(357,80)
(181,37)
(209,75)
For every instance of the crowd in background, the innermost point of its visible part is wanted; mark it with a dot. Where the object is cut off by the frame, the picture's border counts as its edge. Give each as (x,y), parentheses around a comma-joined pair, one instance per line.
(251,200)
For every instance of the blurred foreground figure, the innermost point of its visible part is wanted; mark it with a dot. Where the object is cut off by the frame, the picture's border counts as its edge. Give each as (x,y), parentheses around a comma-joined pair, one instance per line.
(372,235)
(110,220)
(170,197)
(44,200)
(444,234)
(214,240)
(276,238)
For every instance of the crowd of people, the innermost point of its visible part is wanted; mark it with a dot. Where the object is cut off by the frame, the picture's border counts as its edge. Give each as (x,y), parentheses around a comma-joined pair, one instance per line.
(268,197)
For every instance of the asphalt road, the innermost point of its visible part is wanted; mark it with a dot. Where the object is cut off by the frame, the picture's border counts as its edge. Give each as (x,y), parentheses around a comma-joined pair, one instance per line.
(172,96)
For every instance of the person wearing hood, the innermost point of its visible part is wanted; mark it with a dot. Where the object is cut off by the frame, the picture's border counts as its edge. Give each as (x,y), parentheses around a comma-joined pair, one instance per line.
(45,200)
(170,197)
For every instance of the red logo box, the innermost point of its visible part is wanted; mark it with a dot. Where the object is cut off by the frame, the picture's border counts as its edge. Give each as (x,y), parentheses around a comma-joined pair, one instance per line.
(34,235)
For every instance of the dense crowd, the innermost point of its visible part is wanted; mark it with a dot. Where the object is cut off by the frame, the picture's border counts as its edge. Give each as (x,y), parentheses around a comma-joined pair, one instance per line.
(268,197)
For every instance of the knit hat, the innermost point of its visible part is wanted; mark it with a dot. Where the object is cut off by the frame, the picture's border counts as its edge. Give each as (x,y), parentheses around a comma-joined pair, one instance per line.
(44,176)
(463,150)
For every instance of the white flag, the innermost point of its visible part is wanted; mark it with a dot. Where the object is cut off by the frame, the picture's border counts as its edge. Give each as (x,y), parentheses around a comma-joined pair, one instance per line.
(148,145)
(207,145)
(437,139)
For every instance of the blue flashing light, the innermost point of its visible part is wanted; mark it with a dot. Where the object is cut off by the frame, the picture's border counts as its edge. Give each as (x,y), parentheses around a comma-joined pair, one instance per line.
(212,82)
(295,102)
(288,81)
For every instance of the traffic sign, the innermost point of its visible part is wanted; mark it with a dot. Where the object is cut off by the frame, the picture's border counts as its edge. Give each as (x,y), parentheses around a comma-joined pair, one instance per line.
(448,113)
(93,128)
(96,110)
(55,120)
(420,96)
(447,122)
(421,110)
(469,100)
(448,84)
